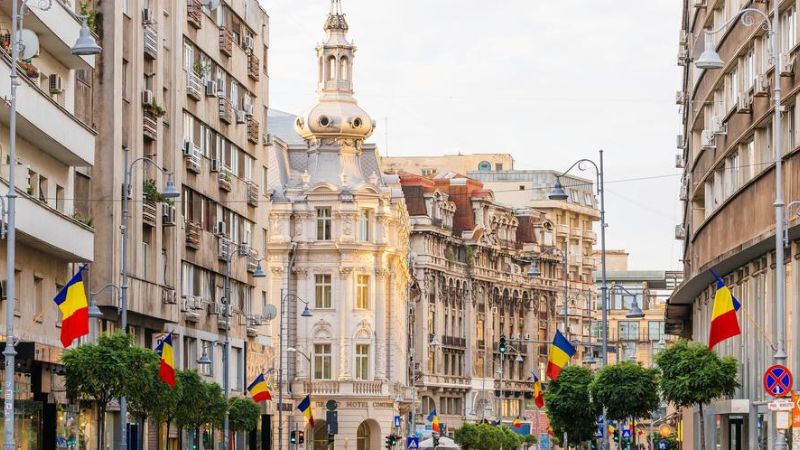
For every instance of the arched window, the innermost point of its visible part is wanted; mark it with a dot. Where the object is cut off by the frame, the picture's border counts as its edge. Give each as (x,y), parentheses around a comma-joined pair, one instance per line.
(363,436)
(332,68)
(321,67)
(345,69)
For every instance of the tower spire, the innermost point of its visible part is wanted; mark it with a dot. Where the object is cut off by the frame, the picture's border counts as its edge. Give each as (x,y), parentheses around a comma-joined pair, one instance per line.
(336,20)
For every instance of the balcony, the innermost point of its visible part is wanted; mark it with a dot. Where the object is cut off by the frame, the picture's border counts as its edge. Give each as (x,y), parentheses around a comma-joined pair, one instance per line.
(252,130)
(590,235)
(446,381)
(194,85)
(149,212)
(253,67)
(150,124)
(150,41)
(450,341)
(367,387)
(224,180)
(321,387)
(225,41)
(252,193)
(49,230)
(194,13)
(225,110)
(44,122)
(193,231)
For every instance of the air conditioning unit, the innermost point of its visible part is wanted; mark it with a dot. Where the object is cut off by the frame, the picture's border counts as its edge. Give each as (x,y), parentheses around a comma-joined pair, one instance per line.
(718,126)
(684,192)
(216,165)
(211,88)
(680,97)
(244,249)
(216,309)
(147,97)
(267,139)
(761,88)
(187,148)
(683,56)
(699,3)
(248,42)
(707,139)
(679,162)
(147,15)
(221,228)
(248,110)
(680,142)
(241,117)
(168,213)
(56,84)
(683,40)
(680,232)
(744,104)
(787,65)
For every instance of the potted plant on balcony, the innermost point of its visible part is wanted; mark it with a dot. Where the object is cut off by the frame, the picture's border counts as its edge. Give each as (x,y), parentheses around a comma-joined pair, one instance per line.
(91,16)
(30,70)
(199,69)
(157,109)
(150,191)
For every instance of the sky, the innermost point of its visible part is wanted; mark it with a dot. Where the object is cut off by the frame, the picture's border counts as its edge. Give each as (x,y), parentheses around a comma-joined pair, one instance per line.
(549,82)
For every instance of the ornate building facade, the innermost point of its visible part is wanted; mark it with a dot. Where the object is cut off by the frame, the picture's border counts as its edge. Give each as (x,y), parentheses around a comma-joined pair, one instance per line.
(471,259)
(338,245)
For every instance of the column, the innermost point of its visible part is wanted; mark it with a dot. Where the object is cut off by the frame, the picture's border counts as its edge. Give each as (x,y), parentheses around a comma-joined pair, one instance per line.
(342,329)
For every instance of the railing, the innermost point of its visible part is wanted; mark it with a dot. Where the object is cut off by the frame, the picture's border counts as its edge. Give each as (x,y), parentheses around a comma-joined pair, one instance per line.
(252,130)
(321,387)
(452,341)
(225,110)
(193,235)
(194,13)
(149,212)
(150,124)
(225,41)
(367,387)
(194,85)
(253,67)
(252,193)
(150,41)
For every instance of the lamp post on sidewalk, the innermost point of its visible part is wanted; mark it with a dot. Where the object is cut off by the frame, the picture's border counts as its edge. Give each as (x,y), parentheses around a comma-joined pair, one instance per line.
(285,298)
(558,193)
(710,60)
(84,46)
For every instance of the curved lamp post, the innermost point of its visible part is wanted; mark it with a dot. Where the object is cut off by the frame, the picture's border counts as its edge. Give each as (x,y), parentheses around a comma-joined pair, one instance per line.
(558,193)
(634,312)
(285,298)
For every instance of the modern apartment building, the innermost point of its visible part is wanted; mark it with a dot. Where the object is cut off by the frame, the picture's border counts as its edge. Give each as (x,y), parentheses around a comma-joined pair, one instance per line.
(471,286)
(338,246)
(430,166)
(55,143)
(184,88)
(728,192)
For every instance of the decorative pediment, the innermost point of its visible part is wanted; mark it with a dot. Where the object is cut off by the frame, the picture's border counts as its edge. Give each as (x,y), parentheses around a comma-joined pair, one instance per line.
(322,330)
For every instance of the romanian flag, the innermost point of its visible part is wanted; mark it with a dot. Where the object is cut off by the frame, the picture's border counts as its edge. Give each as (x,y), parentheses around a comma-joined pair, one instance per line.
(433,418)
(724,323)
(517,423)
(74,306)
(166,370)
(560,353)
(305,408)
(259,390)
(538,392)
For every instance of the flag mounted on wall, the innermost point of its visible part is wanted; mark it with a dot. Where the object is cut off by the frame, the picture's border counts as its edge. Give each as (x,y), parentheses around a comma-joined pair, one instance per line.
(74,307)
(433,418)
(538,392)
(724,321)
(166,370)
(259,390)
(560,353)
(305,408)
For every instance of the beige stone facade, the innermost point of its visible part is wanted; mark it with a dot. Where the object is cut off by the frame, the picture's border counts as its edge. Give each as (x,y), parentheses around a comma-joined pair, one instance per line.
(430,166)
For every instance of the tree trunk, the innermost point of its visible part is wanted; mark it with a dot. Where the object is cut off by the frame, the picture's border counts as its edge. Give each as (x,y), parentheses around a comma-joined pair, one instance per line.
(180,438)
(101,427)
(702,429)
(166,437)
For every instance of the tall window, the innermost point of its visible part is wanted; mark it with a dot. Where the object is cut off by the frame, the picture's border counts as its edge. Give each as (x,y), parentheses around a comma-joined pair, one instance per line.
(655,330)
(332,68)
(323,291)
(322,361)
(362,361)
(362,292)
(363,225)
(629,331)
(323,224)
(788,30)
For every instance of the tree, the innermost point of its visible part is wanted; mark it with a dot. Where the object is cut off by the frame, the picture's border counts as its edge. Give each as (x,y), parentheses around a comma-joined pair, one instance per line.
(200,402)
(243,414)
(151,396)
(467,436)
(628,390)
(486,437)
(691,374)
(569,405)
(99,372)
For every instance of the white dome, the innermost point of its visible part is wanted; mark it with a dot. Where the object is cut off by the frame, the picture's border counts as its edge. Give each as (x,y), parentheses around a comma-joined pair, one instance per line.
(337,117)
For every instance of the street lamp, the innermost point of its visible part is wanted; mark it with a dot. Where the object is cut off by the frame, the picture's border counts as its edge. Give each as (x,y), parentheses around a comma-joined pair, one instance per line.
(564,262)
(86,45)
(285,298)
(710,59)
(204,359)
(558,193)
(82,47)
(634,312)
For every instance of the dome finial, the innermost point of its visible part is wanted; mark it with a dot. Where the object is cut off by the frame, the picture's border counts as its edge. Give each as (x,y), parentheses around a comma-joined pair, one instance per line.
(336,20)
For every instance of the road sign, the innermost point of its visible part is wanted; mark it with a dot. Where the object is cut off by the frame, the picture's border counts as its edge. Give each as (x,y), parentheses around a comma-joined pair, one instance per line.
(331,405)
(780,405)
(626,433)
(397,421)
(544,441)
(412,443)
(778,381)
(662,445)
(783,420)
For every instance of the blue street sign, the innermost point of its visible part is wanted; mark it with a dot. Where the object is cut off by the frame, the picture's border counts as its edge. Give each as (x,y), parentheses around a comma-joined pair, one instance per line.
(544,441)
(412,443)
(397,421)
(626,433)
(662,445)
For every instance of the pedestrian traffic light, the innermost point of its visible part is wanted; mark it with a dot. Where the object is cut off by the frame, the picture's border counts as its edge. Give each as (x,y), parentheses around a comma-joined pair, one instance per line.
(502,348)
(301,437)
(616,435)
(435,440)
(293,437)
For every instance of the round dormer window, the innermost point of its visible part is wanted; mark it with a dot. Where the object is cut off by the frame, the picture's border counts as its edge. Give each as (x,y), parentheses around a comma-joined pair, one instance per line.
(484,166)
(357,122)
(324,121)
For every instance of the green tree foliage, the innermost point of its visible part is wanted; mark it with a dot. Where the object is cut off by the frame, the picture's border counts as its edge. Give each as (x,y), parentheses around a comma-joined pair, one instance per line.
(486,437)
(243,414)
(691,374)
(627,390)
(99,372)
(569,405)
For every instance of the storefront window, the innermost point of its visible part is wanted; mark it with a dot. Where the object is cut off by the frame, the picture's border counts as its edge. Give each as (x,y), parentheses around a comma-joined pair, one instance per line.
(67,429)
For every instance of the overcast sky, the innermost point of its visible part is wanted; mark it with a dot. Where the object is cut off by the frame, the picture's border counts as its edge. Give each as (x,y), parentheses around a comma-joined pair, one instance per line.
(549,82)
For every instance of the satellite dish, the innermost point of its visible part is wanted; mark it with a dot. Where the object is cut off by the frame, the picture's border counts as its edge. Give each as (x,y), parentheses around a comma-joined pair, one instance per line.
(30,44)
(211,4)
(270,312)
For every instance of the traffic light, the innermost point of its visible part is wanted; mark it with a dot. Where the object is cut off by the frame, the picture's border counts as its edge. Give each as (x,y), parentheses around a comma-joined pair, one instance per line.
(435,440)
(301,437)
(391,440)
(293,437)
(502,345)
(616,435)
